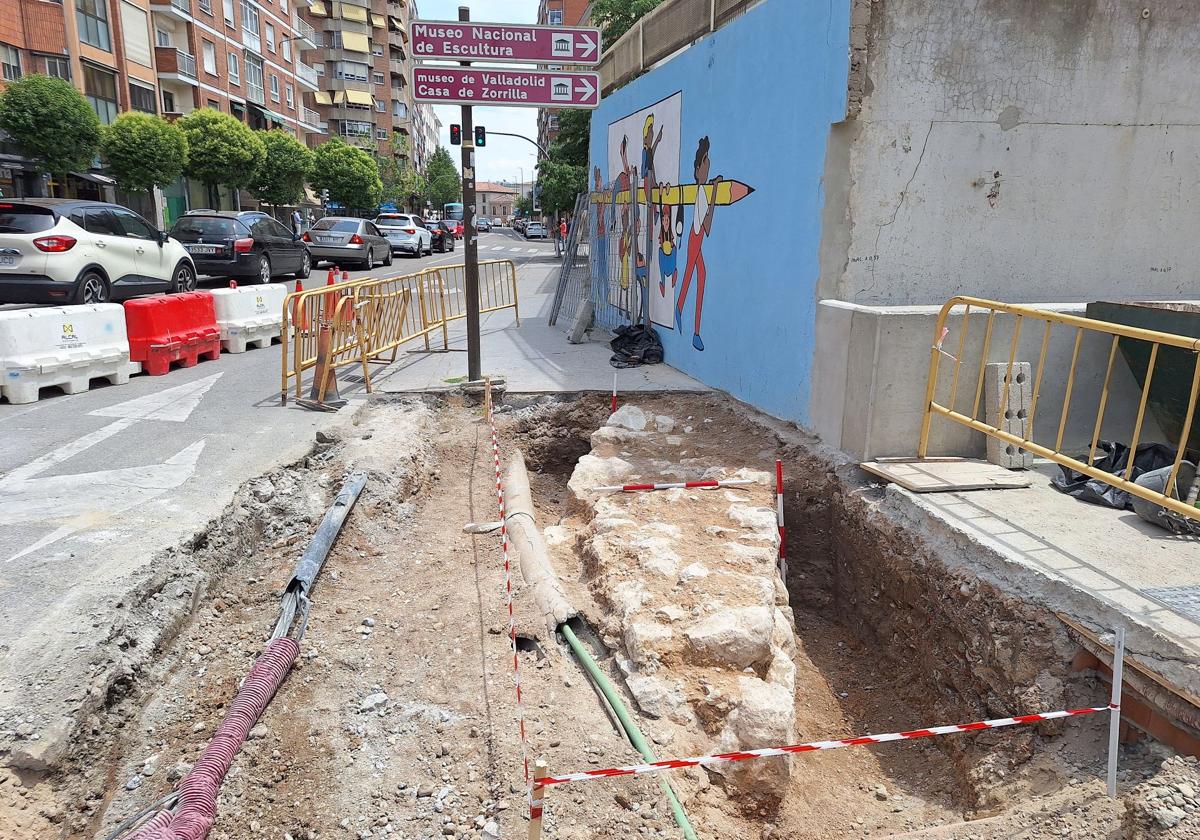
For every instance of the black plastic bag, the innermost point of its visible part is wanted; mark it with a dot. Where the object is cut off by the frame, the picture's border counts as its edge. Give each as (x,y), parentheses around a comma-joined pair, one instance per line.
(636,345)
(1150,456)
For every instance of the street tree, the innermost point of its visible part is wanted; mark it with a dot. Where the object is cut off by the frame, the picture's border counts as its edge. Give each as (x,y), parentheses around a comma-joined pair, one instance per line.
(616,17)
(144,151)
(445,184)
(524,206)
(279,179)
(559,184)
(221,150)
(50,123)
(350,174)
(574,133)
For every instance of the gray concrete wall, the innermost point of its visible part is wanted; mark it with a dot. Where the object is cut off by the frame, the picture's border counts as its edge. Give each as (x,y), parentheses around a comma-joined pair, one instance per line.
(873,363)
(1018,150)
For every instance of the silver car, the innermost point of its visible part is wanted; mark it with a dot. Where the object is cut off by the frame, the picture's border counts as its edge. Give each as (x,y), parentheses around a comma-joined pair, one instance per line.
(405,233)
(346,241)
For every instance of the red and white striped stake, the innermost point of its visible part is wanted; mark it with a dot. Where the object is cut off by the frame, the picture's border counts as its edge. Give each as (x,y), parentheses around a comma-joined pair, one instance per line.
(779,518)
(682,485)
(508,591)
(771,752)
(612,406)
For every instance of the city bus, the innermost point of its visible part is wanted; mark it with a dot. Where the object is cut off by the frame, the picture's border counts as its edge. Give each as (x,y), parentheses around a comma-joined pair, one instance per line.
(453,211)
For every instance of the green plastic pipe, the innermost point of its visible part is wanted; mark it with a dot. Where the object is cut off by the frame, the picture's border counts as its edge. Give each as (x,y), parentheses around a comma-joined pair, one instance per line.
(635,736)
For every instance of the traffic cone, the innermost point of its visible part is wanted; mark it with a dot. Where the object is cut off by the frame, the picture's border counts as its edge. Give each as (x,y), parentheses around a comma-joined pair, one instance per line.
(233,284)
(345,276)
(330,299)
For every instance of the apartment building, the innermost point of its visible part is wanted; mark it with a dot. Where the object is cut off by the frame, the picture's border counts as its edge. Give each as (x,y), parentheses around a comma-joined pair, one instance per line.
(558,13)
(168,57)
(364,67)
(426,130)
(495,201)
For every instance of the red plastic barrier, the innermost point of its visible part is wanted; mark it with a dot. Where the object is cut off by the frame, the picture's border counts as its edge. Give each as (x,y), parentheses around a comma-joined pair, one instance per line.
(172,328)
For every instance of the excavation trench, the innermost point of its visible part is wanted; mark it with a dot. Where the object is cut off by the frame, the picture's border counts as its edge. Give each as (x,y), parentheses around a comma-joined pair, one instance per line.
(399,719)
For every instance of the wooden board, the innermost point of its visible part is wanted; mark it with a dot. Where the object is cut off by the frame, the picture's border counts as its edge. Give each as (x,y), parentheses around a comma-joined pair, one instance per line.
(942,475)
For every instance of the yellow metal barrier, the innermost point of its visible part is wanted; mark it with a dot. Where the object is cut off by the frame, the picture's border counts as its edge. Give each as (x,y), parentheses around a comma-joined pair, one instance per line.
(370,318)
(1022,314)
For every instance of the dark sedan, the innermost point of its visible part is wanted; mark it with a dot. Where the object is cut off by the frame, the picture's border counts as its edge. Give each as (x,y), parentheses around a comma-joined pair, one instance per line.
(443,235)
(245,246)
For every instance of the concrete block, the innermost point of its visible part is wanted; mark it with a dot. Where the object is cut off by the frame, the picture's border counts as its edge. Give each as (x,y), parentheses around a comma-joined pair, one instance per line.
(1008,410)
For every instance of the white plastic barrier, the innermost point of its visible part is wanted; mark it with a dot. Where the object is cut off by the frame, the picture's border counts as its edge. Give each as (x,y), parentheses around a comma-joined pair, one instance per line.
(67,346)
(250,315)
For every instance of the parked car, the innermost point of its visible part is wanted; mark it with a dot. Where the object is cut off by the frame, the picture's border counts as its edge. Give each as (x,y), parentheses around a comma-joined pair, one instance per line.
(246,246)
(405,233)
(343,241)
(482,225)
(519,225)
(535,230)
(443,235)
(55,250)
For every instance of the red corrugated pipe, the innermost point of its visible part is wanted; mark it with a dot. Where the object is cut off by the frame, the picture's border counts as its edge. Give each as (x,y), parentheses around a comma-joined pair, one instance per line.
(198,790)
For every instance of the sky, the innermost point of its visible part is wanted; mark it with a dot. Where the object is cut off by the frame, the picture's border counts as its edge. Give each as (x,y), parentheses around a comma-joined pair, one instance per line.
(503,157)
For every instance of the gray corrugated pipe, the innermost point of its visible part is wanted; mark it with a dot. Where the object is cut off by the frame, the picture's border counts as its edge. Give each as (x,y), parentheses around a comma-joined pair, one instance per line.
(525,538)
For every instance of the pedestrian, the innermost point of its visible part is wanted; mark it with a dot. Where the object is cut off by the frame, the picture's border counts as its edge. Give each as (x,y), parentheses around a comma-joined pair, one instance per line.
(311,218)
(297,222)
(562,230)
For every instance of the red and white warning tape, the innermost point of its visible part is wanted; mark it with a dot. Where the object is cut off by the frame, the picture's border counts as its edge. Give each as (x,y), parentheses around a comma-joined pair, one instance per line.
(682,485)
(508,591)
(772,752)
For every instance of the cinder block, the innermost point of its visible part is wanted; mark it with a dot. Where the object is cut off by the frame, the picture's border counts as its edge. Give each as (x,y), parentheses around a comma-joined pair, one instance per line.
(1008,412)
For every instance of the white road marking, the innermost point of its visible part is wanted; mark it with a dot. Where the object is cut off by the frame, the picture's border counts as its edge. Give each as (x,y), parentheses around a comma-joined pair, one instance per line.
(498,248)
(533,250)
(174,404)
(514,250)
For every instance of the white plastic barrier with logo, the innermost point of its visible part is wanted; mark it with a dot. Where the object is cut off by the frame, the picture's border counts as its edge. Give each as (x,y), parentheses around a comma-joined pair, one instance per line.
(67,346)
(250,315)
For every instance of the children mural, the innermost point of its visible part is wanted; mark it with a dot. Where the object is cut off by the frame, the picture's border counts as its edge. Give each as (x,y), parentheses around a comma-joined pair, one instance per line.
(650,235)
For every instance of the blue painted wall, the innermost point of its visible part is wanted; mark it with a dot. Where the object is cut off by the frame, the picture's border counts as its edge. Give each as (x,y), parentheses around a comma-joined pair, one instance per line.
(764,90)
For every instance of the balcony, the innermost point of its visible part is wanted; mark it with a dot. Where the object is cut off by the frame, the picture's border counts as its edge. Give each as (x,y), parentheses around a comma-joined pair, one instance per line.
(397,39)
(306,75)
(397,67)
(311,120)
(180,9)
(174,64)
(252,41)
(307,36)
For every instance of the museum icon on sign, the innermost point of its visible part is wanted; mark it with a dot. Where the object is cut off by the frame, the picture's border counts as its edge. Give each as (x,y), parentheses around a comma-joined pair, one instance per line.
(560,90)
(563,46)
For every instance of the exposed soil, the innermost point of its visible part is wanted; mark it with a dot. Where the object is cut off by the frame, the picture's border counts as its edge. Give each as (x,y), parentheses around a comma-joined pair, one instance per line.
(400,720)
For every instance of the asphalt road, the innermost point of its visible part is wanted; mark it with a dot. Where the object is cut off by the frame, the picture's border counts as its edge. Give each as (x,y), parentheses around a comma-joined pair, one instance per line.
(93,485)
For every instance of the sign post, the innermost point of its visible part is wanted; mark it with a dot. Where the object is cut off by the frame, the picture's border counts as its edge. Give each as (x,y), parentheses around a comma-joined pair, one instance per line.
(470,239)
(467,85)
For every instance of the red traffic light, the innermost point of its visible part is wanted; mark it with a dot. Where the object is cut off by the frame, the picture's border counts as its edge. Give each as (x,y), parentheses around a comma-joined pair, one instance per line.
(455,134)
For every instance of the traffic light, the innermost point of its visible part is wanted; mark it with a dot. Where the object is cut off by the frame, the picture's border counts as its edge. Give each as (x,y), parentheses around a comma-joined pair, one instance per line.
(455,134)
(480,136)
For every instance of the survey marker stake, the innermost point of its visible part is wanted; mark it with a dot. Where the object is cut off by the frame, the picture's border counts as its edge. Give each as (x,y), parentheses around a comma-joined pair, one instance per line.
(1114,705)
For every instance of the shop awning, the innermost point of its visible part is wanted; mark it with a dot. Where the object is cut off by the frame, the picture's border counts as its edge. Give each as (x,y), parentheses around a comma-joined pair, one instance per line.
(355,42)
(322,98)
(360,97)
(95,178)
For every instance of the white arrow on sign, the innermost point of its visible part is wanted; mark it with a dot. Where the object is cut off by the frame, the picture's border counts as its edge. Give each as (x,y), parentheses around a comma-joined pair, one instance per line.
(85,499)
(587,90)
(589,46)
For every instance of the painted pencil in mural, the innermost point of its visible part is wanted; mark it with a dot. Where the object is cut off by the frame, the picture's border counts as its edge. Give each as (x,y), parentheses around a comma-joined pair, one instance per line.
(720,194)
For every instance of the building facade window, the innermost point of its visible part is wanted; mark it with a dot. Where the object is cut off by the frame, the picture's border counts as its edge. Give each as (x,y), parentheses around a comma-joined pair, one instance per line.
(214,104)
(235,73)
(250,26)
(377,78)
(100,90)
(287,49)
(399,109)
(209,52)
(381,134)
(162,38)
(227,7)
(142,99)
(254,80)
(274,88)
(350,70)
(270,32)
(91,16)
(357,128)
(168,99)
(10,62)
(290,95)
(206,6)
(58,67)
(555,17)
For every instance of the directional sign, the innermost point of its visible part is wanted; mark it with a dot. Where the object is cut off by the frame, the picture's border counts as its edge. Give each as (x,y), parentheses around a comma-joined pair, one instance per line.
(493,42)
(484,86)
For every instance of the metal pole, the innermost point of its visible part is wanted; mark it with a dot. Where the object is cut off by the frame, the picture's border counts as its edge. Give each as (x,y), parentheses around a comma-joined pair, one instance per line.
(470,238)
(1114,705)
